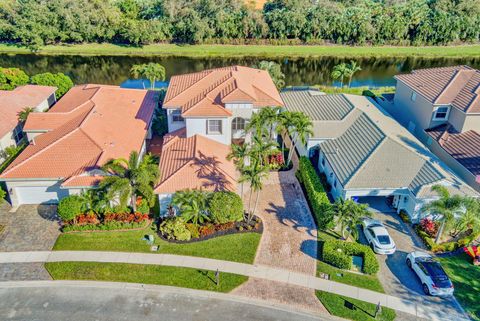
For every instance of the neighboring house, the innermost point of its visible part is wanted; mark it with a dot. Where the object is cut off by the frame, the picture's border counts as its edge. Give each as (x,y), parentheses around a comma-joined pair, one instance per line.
(90,125)
(40,98)
(207,111)
(441,107)
(363,152)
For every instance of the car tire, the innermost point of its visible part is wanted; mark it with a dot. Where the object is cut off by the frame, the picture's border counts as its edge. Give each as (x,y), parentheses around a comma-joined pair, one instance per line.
(425,289)
(409,263)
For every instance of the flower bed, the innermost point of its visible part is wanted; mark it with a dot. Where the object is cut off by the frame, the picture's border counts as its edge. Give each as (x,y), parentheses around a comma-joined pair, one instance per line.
(192,233)
(110,221)
(429,241)
(339,254)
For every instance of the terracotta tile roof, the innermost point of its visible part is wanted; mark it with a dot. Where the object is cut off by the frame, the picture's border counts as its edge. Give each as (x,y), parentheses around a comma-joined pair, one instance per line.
(458,86)
(107,124)
(464,147)
(13,101)
(195,162)
(82,181)
(205,93)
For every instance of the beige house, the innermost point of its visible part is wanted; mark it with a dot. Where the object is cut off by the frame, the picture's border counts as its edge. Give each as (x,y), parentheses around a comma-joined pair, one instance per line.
(40,98)
(441,107)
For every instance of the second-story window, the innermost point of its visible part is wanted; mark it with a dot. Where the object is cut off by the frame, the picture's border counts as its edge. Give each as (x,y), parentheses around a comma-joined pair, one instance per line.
(441,113)
(177,115)
(214,126)
(238,123)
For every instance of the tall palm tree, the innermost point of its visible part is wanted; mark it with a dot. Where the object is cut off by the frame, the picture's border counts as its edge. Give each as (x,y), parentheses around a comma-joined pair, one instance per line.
(349,215)
(470,219)
(261,148)
(300,130)
(285,121)
(150,71)
(269,117)
(340,71)
(239,154)
(254,174)
(275,72)
(23,114)
(130,178)
(447,206)
(353,67)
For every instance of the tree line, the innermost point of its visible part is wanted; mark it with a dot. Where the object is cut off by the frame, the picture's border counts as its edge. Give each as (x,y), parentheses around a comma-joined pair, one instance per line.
(414,22)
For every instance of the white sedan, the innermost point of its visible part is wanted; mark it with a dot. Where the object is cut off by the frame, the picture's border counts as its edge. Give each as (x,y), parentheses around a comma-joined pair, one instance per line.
(434,279)
(378,237)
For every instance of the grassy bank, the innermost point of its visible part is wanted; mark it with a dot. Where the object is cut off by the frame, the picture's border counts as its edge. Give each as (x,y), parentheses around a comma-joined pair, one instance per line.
(251,50)
(147,274)
(235,247)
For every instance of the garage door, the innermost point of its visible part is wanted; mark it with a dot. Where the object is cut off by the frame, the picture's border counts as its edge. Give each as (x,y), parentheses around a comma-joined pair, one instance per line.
(40,194)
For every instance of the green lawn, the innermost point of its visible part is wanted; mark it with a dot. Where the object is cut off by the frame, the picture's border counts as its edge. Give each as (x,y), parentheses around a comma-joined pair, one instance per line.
(466,279)
(353,309)
(236,247)
(252,50)
(147,274)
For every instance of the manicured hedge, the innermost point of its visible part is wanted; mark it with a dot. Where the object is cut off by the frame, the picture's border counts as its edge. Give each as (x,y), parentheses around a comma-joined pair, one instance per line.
(339,254)
(315,193)
(107,226)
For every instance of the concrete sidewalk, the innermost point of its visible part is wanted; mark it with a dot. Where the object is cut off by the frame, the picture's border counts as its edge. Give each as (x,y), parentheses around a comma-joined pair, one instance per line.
(416,308)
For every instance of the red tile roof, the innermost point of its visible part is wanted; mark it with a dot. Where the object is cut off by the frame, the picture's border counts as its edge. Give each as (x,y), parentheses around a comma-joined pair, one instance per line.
(205,93)
(13,101)
(464,147)
(195,162)
(108,122)
(458,86)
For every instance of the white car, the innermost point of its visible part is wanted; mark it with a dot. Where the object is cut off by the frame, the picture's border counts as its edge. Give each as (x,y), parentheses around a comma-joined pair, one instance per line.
(434,279)
(377,236)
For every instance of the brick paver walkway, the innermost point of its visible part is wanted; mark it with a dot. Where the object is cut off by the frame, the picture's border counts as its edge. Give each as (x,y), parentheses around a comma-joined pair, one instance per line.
(289,242)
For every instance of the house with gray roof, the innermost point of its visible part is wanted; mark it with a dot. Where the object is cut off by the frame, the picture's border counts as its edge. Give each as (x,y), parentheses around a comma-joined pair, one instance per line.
(364,152)
(441,107)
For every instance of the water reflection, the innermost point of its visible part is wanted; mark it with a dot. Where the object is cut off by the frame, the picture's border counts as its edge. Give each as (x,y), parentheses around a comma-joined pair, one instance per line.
(298,71)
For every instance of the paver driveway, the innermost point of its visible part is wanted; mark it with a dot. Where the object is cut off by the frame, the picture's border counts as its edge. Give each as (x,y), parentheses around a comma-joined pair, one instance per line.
(396,278)
(30,228)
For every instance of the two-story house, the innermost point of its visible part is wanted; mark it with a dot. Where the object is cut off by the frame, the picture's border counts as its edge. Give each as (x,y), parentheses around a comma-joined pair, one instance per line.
(206,112)
(441,107)
(12,102)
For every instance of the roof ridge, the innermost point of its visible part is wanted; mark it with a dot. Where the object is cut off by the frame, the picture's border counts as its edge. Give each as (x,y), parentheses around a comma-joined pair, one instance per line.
(263,91)
(206,72)
(204,93)
(449,83)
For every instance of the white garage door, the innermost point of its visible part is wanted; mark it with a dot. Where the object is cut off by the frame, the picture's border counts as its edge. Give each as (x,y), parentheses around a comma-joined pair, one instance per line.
(40,194)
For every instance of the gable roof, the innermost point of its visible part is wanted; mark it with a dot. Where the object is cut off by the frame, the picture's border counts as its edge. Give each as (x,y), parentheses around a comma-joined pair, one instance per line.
(195,162)
(84,132)
(13,101)
(457,85)
(463,147)
(205,93)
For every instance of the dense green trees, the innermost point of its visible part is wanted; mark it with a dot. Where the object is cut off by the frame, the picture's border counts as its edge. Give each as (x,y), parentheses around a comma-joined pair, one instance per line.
(137,22)
(59,80)
(10,78)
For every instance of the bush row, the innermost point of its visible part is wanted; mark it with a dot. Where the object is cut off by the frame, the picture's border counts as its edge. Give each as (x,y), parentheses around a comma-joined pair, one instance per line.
(444,247)
(316,194)
(339,254)
(107,226)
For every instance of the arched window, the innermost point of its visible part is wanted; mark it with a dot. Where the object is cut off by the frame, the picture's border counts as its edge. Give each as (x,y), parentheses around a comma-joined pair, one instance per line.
(238,123)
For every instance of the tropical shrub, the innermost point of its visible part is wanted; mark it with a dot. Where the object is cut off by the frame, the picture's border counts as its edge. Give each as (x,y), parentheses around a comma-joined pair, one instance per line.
(10,78)
(206,230)
(142,206)
(404,216)
(176,229)
(106,226)
(226,207)
(84,219)
(2,195)
(193,230)
(446,246)
(316,195)
(69,207)
(339,254)
(429,226)
(59,80)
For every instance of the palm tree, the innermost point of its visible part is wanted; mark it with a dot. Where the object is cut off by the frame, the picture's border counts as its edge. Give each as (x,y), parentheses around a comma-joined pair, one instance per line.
(130,178)
(447,206)
(470,219)
(151,71)
(23,114)
(260,148)
(340,71)
(269,117)
(239,154)
(352,69)
(275,72)
(349,215)
(254,174)
(192,205)
(301,127)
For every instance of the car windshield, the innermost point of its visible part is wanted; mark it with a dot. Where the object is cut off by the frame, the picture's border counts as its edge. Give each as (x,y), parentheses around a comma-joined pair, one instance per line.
(384,239)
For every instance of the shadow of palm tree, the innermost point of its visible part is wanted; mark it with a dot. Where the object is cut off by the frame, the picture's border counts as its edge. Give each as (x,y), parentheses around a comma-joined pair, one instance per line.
(210,172)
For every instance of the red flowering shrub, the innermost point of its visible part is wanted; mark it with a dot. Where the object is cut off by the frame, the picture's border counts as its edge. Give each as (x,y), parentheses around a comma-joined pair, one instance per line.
(206,230)
(429,226)
(126,217)
(225,226)
(276,160)
(85,219)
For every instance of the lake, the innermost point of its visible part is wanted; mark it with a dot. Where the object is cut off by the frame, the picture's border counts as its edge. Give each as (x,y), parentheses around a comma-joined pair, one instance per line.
(299,71)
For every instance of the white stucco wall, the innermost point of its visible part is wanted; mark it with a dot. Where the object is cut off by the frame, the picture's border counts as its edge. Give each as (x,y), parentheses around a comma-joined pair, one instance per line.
(12,185)
(199,126)
(472,122)
(173,125)
(331,177)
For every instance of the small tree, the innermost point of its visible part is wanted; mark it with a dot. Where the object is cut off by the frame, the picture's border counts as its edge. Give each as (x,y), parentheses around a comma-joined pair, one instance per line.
(349,214)
(226,207)
(254,174)
(23,114)
(353,67)
(468,220)
(150,71)
(239,154)
(59,80)
(340,71)
(300,127)
(70,207)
